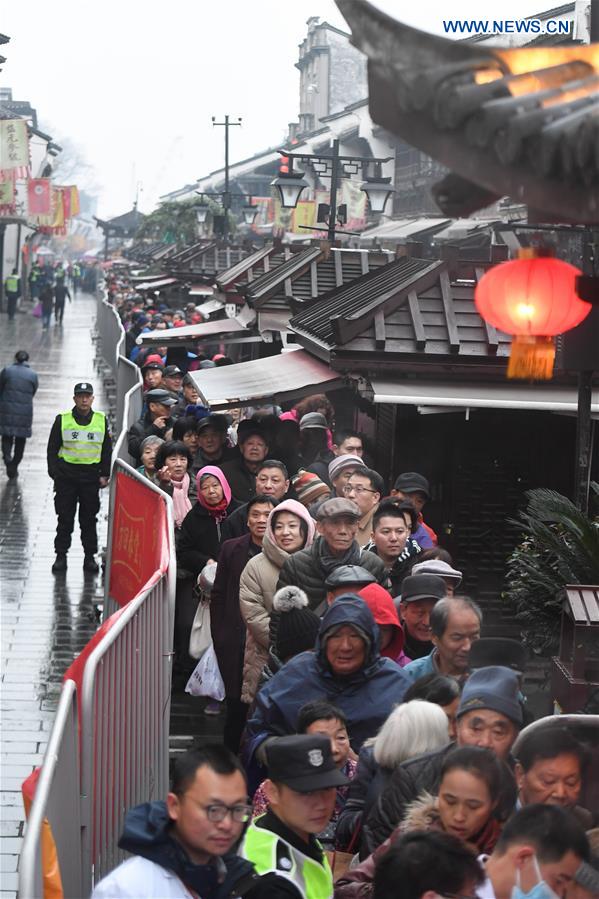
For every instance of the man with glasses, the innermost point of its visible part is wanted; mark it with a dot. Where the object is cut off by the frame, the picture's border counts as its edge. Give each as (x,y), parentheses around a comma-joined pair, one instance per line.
(182,848)
(301,790)
(365,488)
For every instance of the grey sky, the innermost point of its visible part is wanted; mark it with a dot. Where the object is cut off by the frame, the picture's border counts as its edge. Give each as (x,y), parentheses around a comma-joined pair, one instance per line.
(135,83)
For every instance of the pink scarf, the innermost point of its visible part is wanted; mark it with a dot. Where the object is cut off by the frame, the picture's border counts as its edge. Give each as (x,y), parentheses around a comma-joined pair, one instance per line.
(181,502)
(219,511)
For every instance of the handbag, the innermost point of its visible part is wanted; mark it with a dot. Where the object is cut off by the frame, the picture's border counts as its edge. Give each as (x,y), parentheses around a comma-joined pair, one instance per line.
(340,860)
(37,310)
(206,679)
(200,637)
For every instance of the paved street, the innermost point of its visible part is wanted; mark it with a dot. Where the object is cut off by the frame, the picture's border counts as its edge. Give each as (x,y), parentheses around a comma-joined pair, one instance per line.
(45,620)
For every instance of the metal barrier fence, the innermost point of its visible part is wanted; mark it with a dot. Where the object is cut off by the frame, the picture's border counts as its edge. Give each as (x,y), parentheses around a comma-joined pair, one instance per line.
(125,723)
(125,373)
(86,786)
(57,800)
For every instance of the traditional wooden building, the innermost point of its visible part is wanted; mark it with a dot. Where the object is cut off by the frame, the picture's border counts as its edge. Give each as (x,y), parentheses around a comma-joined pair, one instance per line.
(430,374)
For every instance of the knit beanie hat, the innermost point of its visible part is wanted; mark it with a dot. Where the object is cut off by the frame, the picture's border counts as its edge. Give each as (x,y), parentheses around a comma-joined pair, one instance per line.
(339,463)
(297,625)
(494,687)
(308,487)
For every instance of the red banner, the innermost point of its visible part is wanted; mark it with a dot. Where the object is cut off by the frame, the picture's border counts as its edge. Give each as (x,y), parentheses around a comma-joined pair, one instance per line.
(38,196)
(139,538)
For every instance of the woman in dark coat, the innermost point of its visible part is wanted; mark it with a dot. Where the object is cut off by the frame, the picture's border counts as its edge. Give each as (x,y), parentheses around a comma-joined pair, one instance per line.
(18,384)
(200,537)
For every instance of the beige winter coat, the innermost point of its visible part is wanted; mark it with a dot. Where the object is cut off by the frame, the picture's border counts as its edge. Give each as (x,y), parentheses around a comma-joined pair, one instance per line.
(257,587)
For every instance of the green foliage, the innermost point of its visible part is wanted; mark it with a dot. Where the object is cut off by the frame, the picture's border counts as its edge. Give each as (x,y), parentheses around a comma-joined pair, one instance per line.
(177,222)
(560,546)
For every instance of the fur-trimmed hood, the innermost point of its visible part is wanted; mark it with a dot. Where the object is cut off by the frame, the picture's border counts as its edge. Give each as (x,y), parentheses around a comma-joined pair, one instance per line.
(422,814)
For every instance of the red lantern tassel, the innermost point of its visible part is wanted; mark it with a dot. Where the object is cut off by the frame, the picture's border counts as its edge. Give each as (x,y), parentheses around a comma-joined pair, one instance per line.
(531,358)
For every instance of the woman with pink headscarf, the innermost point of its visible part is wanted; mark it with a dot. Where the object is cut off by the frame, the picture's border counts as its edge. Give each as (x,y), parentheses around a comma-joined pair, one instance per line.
(200,535)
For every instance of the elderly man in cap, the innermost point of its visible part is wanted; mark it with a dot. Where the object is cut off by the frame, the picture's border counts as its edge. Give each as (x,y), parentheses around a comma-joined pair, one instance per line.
(419,595)
(337,525)
(346,668)
(489,715)
(414,487)
(314,449)
(172,379)
(156,421)
(301,790)
(347,579)
(451,576)
(341,468)
(79,455)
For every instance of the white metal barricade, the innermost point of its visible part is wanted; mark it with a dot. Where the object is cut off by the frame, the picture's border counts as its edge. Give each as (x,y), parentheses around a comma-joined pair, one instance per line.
(126,374)
(124,750)
(125,723)
(56,800)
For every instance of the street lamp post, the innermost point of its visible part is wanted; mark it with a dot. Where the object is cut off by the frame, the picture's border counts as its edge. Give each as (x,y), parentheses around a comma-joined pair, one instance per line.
(249,211)
(334,166)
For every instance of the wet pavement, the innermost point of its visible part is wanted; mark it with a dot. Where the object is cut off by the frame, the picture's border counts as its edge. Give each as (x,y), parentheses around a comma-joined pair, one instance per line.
(45,619)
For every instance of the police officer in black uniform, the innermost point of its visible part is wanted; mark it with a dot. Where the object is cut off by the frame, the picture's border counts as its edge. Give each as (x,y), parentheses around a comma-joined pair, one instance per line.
(79,455)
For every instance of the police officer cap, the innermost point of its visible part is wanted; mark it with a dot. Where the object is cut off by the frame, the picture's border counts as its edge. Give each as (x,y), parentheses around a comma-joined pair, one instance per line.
(498,651)
(349,576)
(303,762)
(83,387)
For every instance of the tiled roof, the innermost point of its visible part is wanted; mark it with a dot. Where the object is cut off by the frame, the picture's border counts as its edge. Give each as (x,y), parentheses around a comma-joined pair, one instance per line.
(266,284)
(411,306)
(520,122)
(324,274)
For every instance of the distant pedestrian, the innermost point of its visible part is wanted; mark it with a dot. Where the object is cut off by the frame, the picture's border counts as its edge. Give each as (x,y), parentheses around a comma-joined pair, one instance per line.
(61,293)
(18,384)
(79,455)
(47,301)
(12,289)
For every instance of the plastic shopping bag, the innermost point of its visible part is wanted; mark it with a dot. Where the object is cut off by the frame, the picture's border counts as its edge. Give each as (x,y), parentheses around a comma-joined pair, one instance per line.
(206,679)
(37,310)
(200,638)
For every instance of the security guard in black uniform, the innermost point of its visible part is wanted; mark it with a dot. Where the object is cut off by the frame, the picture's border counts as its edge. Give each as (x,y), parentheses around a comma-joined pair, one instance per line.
(79,455)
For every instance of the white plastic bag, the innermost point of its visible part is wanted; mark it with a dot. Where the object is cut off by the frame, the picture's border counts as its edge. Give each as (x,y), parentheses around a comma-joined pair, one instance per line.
(200,638)
(206,679)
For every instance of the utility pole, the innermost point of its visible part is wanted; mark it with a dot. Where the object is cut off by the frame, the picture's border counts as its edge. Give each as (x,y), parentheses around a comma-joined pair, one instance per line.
(333,193)
(226,195)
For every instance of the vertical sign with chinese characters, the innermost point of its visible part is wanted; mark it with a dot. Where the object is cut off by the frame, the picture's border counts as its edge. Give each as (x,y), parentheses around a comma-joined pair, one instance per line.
(14,144)
(140,542)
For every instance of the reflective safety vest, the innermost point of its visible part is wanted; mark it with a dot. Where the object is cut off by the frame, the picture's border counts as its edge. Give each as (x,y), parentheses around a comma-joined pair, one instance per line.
(12,284)
(82,444)
(271,854)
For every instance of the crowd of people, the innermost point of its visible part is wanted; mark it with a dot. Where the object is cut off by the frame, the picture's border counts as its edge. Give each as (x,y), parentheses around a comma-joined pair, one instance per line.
(372,737)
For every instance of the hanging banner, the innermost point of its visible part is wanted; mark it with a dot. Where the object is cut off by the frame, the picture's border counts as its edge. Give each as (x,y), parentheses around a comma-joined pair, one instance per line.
(138,551)
(304,214)
(39,196)
(7,193)
(14,144)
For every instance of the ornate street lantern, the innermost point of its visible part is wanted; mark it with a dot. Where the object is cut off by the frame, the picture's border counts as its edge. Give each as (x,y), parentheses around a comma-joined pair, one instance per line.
(202,213)
(249,213)
(534,298)
(290,186)
(378,190)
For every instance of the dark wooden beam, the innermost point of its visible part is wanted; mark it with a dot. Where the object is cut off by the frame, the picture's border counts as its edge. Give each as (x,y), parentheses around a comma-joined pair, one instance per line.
(417,320)
(452,325)
(379,330)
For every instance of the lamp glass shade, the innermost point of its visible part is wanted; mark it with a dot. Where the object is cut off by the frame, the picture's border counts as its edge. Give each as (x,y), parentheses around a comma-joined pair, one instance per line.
(249,214)
(202,214)
(290,188)
(378,191)
(531,297)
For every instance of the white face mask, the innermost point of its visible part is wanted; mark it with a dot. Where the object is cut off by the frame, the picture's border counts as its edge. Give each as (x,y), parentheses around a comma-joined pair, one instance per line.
(541,889)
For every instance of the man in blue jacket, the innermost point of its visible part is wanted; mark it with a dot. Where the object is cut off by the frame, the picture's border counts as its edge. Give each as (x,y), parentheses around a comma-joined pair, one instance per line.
(345,668)
(18,385)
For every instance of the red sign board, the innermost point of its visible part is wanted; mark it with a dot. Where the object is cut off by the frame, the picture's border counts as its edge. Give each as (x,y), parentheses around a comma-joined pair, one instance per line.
(139,538)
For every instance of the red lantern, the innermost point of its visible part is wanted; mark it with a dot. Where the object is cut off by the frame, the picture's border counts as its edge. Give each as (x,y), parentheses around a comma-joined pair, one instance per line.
(534,298)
